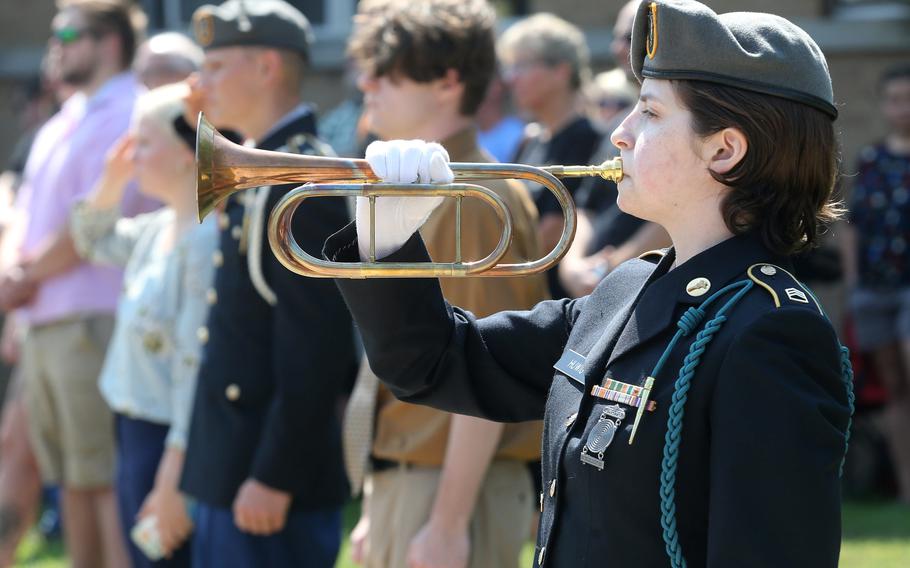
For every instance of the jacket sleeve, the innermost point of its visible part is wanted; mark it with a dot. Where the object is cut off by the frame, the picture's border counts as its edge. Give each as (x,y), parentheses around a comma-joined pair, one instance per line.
(197,273)
(313,355)
(429,352)
(103,236)
(779,415)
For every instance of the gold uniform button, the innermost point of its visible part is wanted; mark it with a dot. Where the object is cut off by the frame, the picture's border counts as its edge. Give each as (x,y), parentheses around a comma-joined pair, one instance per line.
(223,221)
(698,286)
(202,334)
(232,392)
(540,556)
(768,270)
(211,296)
(236,232)
(552,488)
(217,258)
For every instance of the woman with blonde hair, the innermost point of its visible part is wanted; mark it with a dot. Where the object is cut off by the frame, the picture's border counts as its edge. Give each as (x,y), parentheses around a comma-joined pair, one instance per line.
(149,373)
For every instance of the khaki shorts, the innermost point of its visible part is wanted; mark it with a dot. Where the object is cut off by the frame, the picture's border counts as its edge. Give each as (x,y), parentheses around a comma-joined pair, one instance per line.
(70,425)
(400,500)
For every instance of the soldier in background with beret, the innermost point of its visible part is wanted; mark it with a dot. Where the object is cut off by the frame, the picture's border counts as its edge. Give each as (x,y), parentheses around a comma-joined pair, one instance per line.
(263,460)
(699,410)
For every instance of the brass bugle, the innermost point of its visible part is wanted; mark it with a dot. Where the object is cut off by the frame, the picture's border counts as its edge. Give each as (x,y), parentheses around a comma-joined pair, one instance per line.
(223,168)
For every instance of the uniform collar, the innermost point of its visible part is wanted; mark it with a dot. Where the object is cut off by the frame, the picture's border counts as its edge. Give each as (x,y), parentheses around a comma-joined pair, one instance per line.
(299,121)
(668,289)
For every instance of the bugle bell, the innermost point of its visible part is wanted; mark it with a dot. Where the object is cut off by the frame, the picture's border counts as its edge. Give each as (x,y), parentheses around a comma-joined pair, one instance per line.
(223,167)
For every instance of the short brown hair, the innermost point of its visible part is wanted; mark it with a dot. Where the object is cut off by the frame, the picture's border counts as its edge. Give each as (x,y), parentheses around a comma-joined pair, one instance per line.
(423,39)
(782,188)
(120,17)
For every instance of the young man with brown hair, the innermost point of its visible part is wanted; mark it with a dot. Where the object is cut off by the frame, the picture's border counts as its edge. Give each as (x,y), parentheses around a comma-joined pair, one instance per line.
(66,303)
(445,490)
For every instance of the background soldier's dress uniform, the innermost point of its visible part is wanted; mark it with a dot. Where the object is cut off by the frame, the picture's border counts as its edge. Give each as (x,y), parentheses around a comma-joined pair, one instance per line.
(264,405)
(278,347)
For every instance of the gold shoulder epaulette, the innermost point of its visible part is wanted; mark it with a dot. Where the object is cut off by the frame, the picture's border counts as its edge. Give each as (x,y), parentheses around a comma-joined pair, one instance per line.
(306,143)
(655,255)
(783,287)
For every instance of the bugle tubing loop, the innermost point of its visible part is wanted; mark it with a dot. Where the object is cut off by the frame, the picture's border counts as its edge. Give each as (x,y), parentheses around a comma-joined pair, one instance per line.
(224,168)
(297,260)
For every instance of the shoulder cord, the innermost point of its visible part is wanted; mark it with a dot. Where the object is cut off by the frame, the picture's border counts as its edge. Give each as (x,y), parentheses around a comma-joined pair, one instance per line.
(687,323)
(254,253)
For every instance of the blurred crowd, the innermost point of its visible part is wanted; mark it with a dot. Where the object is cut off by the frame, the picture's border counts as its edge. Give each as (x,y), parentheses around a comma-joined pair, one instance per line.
(191,402)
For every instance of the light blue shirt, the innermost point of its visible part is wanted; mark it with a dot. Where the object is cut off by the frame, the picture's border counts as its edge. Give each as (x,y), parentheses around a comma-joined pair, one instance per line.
(150,369)
(503,139)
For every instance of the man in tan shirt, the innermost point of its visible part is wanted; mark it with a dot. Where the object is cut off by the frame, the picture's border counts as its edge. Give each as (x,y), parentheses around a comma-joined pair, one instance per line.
(444,490)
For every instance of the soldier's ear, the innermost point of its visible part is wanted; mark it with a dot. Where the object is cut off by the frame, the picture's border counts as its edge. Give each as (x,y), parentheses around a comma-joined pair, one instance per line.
(723,150)
(269,64)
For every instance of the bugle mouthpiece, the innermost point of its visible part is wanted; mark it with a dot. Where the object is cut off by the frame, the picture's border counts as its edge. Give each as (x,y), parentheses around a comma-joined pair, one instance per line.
(609,170)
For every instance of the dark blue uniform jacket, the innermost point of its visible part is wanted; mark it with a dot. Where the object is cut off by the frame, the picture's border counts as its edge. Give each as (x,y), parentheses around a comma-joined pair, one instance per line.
(764,426)
(271,374)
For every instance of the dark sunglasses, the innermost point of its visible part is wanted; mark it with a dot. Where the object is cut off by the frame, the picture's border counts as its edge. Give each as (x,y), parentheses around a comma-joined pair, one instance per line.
(70,35)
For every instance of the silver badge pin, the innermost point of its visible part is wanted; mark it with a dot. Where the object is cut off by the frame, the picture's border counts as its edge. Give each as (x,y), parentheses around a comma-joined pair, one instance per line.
(601,435)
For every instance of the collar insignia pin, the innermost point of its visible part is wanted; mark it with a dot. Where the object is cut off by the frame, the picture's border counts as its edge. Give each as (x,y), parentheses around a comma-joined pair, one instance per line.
(698,286)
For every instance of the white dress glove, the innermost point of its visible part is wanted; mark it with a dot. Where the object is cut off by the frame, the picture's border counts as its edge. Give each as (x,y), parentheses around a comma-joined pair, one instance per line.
(397,218)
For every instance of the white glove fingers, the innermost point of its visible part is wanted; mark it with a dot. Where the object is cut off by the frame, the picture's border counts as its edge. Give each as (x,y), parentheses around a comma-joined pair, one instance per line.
(393,163)
(440,172)
(423,170)
(376,157)
(410,161)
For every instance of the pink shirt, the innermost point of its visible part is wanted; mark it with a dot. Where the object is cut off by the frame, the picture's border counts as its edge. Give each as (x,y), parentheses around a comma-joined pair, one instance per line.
(65,162)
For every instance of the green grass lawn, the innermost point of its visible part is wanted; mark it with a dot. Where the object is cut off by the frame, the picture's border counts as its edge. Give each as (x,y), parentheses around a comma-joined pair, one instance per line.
(876,535)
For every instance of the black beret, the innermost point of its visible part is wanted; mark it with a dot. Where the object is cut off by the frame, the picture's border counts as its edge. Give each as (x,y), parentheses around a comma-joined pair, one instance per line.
(684,39)
(266,23)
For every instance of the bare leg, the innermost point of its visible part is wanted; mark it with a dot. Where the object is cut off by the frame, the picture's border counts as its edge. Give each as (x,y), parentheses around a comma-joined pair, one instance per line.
(80,527)
(20,483)
(892,363)
(115,552)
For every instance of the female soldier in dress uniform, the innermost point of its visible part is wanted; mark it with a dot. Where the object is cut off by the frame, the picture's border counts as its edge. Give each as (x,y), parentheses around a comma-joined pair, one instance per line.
(697,403)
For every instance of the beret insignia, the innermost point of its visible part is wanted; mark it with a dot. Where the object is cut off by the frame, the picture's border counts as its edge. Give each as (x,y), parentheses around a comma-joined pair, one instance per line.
(651,44)
(204,26)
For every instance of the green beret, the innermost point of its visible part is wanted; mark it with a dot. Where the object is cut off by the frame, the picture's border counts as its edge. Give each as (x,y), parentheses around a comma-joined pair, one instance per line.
(265,23)
(684,39)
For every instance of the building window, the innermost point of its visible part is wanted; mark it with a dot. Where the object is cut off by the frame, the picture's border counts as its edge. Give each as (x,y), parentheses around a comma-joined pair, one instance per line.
(870,10)
(328,17)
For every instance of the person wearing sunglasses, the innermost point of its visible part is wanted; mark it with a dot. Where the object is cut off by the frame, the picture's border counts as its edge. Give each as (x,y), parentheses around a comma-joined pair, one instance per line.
(66,303)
